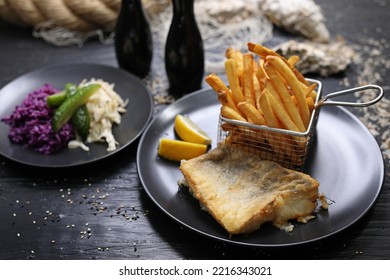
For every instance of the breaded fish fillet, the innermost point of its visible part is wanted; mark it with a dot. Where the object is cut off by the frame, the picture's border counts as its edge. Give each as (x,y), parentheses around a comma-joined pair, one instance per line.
(241,191)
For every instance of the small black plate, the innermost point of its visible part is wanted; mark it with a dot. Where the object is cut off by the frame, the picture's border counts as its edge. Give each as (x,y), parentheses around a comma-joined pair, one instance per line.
(133,122)
(345,159)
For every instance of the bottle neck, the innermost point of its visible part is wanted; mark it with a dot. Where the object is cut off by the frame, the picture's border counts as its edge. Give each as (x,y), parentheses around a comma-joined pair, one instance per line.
(183,7)
(131,4)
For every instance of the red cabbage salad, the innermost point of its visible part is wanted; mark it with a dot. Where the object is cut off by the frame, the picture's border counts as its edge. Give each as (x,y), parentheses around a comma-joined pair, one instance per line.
(31,123)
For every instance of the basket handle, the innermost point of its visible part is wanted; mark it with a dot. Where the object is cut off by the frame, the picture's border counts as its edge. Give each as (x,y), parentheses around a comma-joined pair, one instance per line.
(325,100)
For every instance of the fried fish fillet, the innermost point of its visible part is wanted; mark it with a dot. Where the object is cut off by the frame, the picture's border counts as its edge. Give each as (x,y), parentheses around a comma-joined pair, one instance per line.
(242,192)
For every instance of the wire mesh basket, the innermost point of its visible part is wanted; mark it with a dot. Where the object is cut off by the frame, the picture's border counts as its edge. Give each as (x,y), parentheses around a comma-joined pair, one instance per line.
(286,147)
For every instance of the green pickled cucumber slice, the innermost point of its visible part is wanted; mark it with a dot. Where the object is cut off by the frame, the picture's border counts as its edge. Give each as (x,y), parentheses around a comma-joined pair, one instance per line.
(56,99)
(81,121)
(67,108)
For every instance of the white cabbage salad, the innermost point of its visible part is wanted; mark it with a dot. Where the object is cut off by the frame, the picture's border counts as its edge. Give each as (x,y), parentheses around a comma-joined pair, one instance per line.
(105,108)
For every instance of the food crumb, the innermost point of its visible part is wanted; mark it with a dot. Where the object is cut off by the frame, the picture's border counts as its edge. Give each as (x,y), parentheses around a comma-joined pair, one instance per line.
(324,201)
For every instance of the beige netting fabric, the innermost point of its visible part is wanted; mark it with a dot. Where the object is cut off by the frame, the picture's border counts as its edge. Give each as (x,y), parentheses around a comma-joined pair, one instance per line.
(67,22)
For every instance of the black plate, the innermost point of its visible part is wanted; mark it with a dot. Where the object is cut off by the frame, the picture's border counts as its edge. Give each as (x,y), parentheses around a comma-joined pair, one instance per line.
(346,160)
(134,121)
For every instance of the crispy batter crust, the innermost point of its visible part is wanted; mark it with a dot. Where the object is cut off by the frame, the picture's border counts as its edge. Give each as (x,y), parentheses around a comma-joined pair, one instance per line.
(241,191)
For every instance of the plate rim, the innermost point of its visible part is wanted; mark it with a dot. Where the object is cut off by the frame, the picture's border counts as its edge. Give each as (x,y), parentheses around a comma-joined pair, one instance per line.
(262,245)
(87,65)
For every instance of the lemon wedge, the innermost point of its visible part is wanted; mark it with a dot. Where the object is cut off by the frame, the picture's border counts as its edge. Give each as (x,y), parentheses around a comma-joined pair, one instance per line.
(189,131)
(177,150)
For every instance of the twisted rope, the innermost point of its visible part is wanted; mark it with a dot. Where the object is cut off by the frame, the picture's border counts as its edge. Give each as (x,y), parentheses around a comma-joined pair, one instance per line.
(74,15)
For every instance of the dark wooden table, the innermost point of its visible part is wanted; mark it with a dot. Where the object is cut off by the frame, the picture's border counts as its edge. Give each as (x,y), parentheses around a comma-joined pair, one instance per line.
(101,211)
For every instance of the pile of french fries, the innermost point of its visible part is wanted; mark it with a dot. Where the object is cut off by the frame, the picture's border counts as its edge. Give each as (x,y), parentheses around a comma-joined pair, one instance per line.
(266,89)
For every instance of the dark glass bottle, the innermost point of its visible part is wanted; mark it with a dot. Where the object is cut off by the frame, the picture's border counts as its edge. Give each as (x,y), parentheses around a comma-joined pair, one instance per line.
(184,53)
(133,39)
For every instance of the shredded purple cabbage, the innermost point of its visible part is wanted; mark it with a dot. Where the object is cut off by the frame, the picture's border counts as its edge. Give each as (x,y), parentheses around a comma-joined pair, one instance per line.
(30,124)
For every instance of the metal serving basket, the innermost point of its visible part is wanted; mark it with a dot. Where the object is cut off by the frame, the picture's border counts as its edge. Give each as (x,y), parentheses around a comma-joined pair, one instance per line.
(288,148)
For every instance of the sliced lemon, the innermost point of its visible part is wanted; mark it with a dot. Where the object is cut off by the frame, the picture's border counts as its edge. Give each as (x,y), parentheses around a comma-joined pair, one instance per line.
(177,150)
(189,131)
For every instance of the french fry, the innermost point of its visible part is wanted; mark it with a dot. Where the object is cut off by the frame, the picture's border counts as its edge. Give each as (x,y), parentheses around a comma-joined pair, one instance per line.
(251,112)
(292,60)
(310,103)
(257,88)
(299,76)
(281,114)
(219,86)
(309,90)
(264,52)
(271,88)
(269,116)
(313,95)
(294,101)
(261,74)
(216,83)
(233,78)
(277,63)
(248,87)
(229,113)
(260,50)
(222,98)
(282,90)
(237,56)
